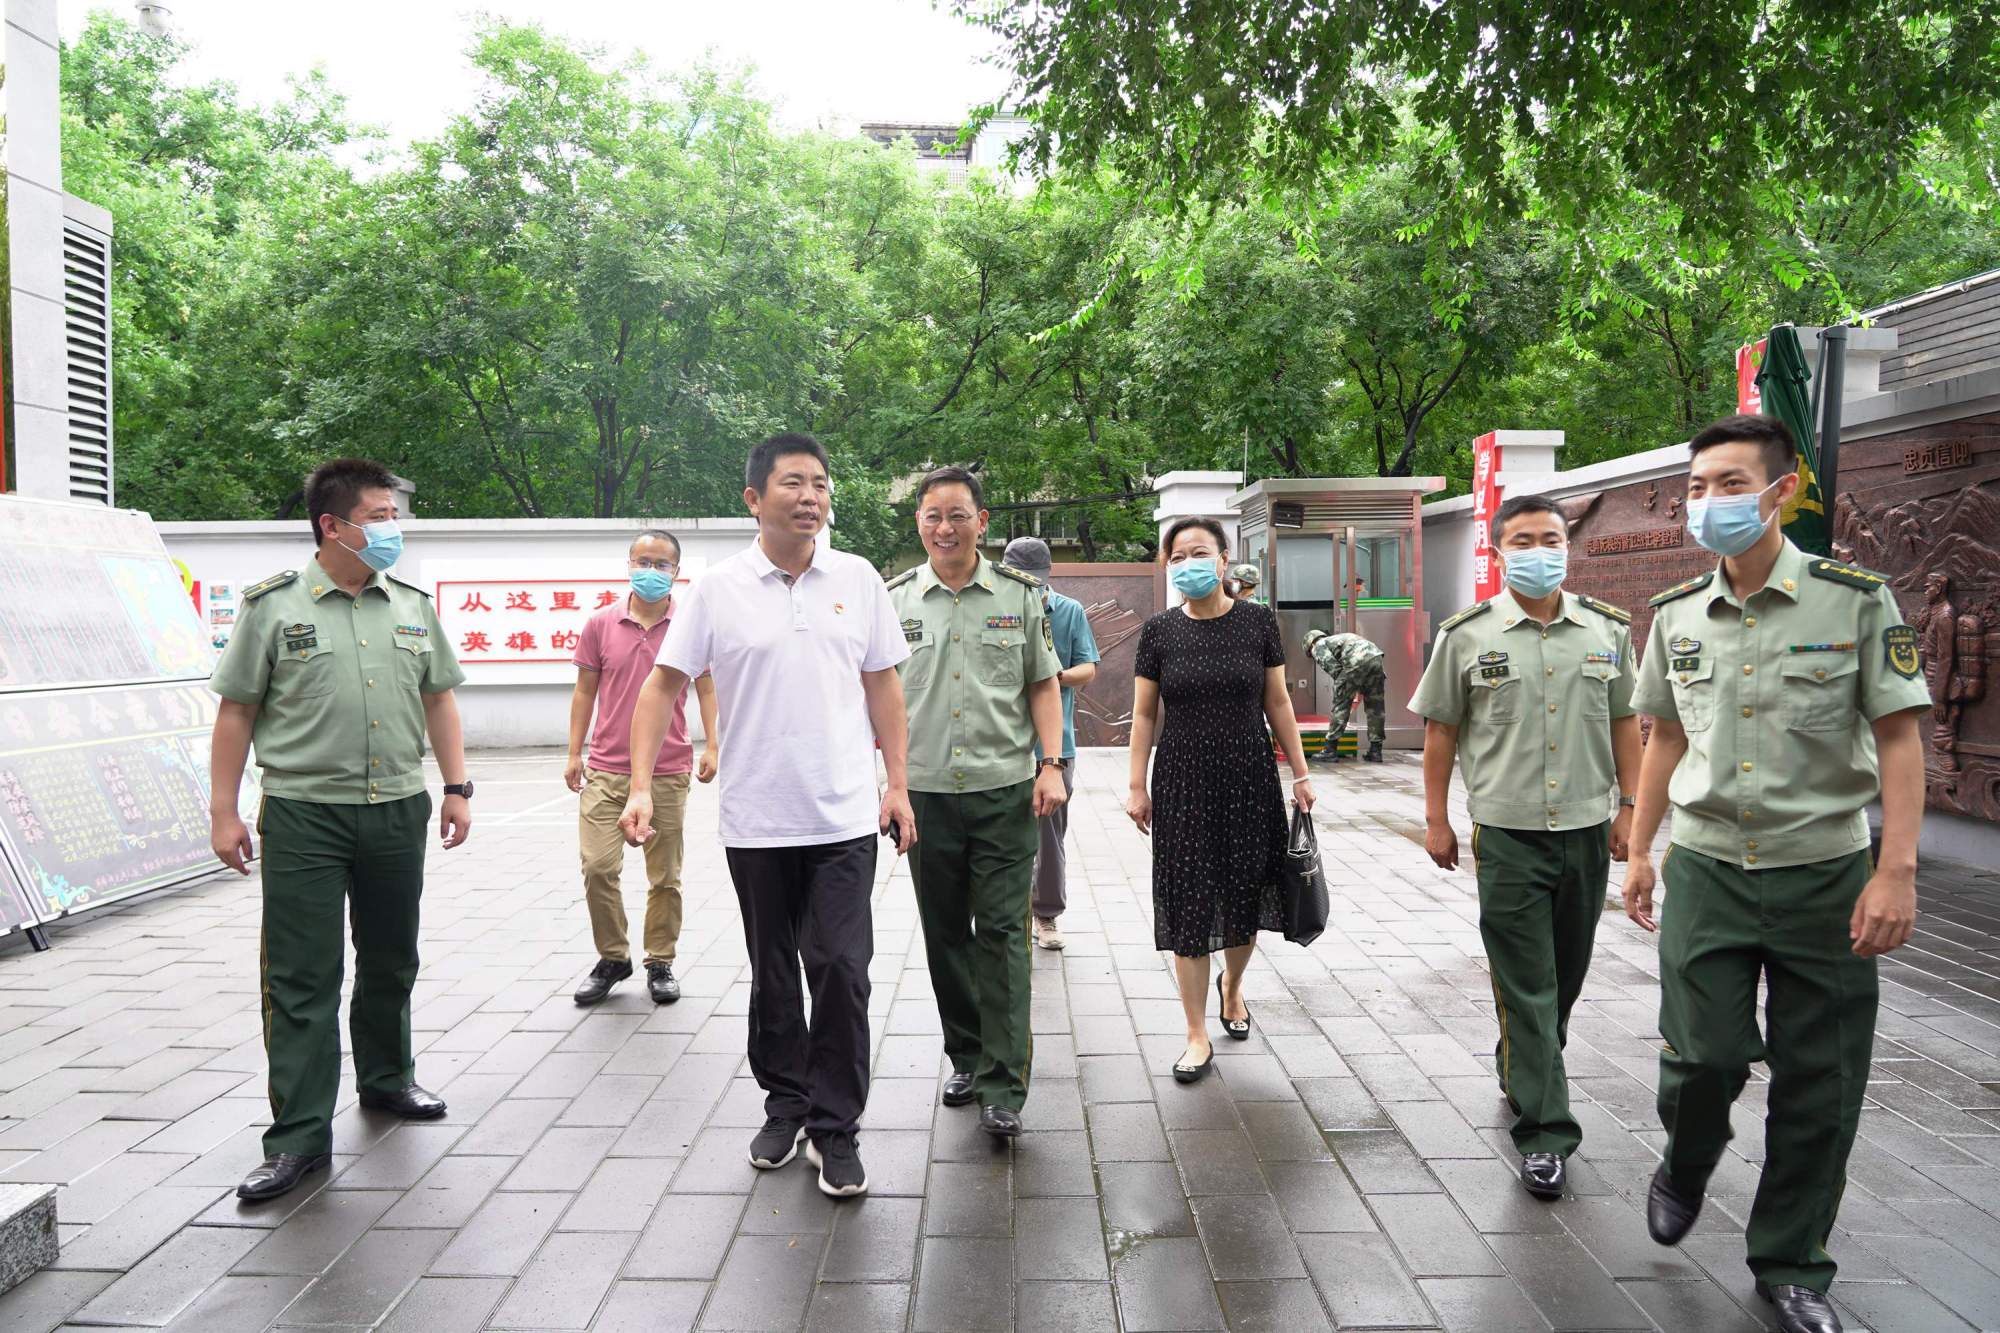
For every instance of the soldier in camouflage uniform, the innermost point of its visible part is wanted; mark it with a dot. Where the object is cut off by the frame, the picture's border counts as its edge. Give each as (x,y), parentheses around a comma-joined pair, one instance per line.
(1355,666)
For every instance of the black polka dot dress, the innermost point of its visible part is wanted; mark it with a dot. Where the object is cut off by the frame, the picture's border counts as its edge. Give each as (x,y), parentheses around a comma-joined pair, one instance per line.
(1218,812)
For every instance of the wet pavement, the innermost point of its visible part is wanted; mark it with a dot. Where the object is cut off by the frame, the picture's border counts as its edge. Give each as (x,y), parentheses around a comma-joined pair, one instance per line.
(1348,1167)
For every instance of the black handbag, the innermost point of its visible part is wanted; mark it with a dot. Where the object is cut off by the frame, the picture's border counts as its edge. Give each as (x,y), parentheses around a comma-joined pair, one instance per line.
(1303,882)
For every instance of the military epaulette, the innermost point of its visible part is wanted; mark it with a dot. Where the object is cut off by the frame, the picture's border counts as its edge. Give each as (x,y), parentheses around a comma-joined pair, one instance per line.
(904,577)
(1695,584)
(1017,576)
(1617,613)
(1465,615)
(256,590)
(407,584)
(1852,575)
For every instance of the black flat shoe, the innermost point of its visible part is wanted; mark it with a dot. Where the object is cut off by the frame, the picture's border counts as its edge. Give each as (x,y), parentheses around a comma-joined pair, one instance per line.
(660,983)
(1185,1073)
(1670,1214)
(1801,1309)
(280,1175)
(1237,1028)
(411,1103)
(1000,1121)
(601,979)
(957,1089)
(1542,1174)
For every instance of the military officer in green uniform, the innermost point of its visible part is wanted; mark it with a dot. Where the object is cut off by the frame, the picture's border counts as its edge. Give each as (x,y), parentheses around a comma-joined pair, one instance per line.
(1354,665)
(1532,693)
(980,687)
(336,672)
(1785,691)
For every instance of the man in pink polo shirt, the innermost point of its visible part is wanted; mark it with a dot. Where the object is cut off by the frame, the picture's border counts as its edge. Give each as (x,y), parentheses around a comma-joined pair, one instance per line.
(613,659)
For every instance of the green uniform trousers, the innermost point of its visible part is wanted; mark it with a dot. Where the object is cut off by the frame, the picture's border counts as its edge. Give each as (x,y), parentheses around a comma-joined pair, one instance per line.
(317,860)
(973,868)
(1540,894)
(1722,927)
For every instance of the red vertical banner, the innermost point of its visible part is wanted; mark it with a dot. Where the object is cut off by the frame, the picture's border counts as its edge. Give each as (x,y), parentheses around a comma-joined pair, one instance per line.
(1749,360)
(1485,499)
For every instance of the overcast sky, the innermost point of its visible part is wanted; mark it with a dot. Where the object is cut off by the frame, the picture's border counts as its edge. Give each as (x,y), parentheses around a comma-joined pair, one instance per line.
(402,63)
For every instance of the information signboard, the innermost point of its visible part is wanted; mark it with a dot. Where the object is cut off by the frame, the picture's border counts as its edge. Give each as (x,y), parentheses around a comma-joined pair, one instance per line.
(89,595)
(104,792)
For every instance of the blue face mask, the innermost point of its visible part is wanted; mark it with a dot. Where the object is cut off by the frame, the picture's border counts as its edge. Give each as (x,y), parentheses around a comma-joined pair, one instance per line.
(1194,579)
(1729,524)
(382,543)
(1537,571)
(652,585)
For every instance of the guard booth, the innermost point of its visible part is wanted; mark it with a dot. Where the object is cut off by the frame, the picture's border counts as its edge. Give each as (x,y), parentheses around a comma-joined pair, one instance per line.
(1312,539)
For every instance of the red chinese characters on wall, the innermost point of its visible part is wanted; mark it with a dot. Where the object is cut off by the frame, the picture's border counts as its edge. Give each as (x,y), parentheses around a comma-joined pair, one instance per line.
(525,620)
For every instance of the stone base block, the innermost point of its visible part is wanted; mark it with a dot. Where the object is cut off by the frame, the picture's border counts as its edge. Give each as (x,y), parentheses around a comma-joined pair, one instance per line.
(27,1231)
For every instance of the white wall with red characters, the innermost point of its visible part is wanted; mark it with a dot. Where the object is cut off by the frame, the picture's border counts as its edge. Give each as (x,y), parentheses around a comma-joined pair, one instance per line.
(512,594)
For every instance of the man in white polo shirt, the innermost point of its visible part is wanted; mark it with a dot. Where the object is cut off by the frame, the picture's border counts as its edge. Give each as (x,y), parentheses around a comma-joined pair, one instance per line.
(803,645)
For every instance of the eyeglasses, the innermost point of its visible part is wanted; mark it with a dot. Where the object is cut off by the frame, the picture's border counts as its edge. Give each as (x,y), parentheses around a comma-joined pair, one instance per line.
(957,518)
(664,566)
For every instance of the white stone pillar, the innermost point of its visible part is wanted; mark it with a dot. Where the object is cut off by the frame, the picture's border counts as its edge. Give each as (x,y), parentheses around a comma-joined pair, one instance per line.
(1198,495)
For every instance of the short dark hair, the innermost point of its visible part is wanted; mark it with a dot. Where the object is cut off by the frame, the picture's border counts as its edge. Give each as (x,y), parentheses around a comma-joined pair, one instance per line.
(951,475)
(1773,438)
(657,534)
(1180,525)
(765,455)
(1516,505)
(335,487)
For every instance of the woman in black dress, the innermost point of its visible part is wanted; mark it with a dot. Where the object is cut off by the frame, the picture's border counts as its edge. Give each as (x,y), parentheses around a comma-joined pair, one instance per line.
(1207,676)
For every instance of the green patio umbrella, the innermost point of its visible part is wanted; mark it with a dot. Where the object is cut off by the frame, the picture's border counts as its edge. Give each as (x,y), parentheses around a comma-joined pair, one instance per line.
(1783,380)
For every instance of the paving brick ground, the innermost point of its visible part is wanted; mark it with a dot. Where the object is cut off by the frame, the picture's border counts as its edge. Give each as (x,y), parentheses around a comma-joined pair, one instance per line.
(1348,1168)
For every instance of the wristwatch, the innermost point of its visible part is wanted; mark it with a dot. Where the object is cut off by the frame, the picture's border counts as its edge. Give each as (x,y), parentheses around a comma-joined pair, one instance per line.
(459,789)
(1626,802)
(1043,763)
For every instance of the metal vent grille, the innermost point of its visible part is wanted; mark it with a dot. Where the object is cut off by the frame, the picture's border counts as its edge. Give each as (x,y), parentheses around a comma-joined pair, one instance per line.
(87,323)
(1356,507)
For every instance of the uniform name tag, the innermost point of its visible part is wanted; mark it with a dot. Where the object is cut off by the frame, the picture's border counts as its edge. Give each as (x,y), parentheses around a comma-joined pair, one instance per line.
(913,631)
(1687,663)
(1684,645)
(1821,648)
(1003,622)
(1491,659)
(414,631)
(1493,672)
(297,645)
(1607,659)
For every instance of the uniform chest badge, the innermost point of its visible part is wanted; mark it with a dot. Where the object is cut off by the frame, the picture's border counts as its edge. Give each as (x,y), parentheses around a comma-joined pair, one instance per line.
(1492,659)
(299,631)
(1003,622)
(1605,658)
(1684,646)
(1820,648)
(1493,672)
(839,608)
(1899,646)
(913,631)
(414,631)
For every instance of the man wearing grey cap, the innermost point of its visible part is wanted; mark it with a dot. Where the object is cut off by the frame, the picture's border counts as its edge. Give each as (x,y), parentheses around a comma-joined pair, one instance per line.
(1076,650)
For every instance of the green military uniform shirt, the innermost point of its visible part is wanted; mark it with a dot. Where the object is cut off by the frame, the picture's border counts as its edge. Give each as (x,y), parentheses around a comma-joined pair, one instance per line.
(1776,692)
(973,655)
(337,682)
(1339,654)
(1533,706)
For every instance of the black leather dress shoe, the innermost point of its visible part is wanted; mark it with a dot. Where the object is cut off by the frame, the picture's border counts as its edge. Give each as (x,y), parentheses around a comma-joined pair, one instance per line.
(660,983)
(280,1175)
(1000,1122)
(958,1089)
(1669,1213)
(411,1103)
(1542,1174)
(1801,1309)
(602,978)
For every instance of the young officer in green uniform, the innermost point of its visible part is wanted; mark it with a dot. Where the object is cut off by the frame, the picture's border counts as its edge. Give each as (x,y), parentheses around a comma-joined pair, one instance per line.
(1532,691)
(337,672)
(980,687)
(1777,684)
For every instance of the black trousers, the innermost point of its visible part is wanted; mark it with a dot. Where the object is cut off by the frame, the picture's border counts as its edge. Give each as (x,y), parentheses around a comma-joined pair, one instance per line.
(809,906)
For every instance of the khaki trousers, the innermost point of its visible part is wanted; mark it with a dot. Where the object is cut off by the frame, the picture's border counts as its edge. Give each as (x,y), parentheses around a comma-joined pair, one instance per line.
(603,847)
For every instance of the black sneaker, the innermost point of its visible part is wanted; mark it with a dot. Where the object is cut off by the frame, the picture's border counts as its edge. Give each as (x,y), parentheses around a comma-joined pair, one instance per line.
(776,1143)
(840,1171)
(660,983)
(602,978)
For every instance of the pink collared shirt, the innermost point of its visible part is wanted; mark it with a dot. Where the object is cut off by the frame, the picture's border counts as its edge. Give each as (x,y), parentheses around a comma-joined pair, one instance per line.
(622,652)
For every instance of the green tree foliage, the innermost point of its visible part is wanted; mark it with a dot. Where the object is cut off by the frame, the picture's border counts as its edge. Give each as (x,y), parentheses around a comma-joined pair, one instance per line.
(599,283)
